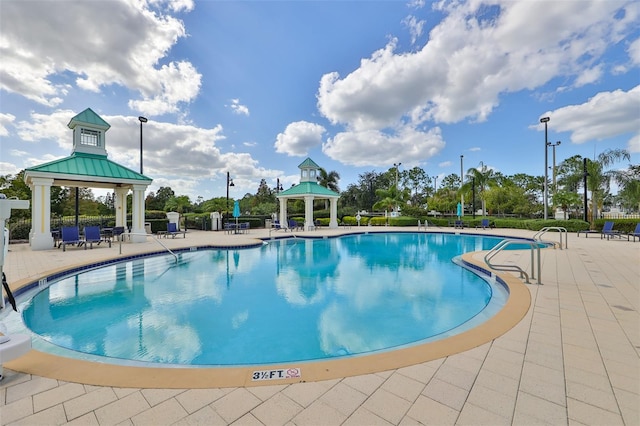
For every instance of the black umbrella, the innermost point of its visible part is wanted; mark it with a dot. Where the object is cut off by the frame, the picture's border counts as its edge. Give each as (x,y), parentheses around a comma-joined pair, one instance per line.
(8,290)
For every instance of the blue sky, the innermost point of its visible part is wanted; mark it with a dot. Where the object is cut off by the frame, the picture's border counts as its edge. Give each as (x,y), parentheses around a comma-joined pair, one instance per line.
(255,87)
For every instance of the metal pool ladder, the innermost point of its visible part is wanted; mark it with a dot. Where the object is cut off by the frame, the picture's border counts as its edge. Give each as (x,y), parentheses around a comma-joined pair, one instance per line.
(533,245)
(538,235)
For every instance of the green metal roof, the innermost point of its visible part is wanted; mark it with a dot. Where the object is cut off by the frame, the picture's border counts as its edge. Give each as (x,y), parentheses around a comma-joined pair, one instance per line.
(84,164)
(308,164)
(88,117)
(306,188)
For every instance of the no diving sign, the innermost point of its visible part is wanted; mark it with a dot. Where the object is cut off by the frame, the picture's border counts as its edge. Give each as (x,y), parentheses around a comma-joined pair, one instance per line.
(278,374)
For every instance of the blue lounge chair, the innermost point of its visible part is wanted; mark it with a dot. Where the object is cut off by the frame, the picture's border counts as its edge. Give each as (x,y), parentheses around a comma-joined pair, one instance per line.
(294,225)
(92,235)
(70,235)
(276,225)
(608,230)
(635,233)
(118,232)
(172,229)
(485,223)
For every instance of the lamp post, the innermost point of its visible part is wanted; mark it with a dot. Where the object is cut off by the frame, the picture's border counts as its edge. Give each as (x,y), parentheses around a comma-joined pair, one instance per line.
(229,183)
(435,185)
(461,183)
(396,166)
(278,189)
(555,186)
(142,120)
(545,193)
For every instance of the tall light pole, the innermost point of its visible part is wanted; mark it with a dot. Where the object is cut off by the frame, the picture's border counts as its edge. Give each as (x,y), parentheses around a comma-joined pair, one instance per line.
(435,184)
(461,183)
(278,189)
(396,166)
(229,183)
(545,193)
(142,120)
(555,186)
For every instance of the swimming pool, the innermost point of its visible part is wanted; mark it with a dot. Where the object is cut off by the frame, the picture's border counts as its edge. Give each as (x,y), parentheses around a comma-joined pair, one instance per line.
(288,300)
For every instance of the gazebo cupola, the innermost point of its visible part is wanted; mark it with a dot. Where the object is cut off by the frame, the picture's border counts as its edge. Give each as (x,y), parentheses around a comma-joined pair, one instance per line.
(88,133)
(309,171)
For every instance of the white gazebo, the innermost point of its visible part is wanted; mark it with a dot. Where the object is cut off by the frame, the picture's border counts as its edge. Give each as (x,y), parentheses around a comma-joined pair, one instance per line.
(87,167)
(309,190)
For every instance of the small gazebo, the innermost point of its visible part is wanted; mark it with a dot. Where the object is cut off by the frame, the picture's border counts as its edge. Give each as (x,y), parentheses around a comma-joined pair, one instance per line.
(309,190)
(87,167)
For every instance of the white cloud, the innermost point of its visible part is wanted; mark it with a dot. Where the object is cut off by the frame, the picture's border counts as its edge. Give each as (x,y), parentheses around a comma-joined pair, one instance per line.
(634,144)
(238,108)
(5,120)
(605,115)
(589,76)
(8,169)
(123,47)
(415,26)
(376,148)
(298,138)
(472,58)
(634,52)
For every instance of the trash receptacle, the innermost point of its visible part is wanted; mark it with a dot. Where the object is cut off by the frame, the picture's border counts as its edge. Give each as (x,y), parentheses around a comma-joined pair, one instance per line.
(216,222)
(147,227)
(267,223)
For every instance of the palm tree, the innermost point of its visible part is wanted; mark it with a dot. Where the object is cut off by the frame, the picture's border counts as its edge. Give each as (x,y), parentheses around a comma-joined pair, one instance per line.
(599,180)
(629,181)
(391,198)
(330,181)
(484,178)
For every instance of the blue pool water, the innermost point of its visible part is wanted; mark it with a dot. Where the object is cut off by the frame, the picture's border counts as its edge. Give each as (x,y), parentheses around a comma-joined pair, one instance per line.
(288,300)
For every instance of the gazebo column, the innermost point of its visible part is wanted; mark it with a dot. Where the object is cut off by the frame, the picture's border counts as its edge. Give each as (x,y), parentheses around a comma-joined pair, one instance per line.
(308,212)
(283,213)
(333,215)
(137,215)
(121,206)
(40,236)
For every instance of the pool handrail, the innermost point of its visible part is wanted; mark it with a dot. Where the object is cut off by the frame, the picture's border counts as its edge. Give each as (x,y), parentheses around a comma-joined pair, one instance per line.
(538,235)
(515,268)
(155,239)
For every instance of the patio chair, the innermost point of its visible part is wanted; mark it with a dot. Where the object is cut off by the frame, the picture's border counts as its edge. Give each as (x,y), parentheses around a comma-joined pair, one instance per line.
(293,225)
(635,233)
(244,227)
(608,230)
(118,232)
(485,223)
(172,229)
(70,235)
(92,235)
(276,225)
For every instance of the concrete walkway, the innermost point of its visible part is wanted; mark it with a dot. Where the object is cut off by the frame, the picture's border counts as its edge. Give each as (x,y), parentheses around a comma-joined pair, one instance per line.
(573,359)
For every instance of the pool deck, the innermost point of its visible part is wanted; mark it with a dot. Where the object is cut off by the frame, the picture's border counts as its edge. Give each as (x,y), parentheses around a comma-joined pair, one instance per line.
(573,358)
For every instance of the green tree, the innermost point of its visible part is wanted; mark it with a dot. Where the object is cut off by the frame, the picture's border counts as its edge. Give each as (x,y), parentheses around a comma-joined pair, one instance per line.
(629,181)
(329,180)
(565,200)
(180,204)
(484,178)
(159,200)
(599,179)
(420,183)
